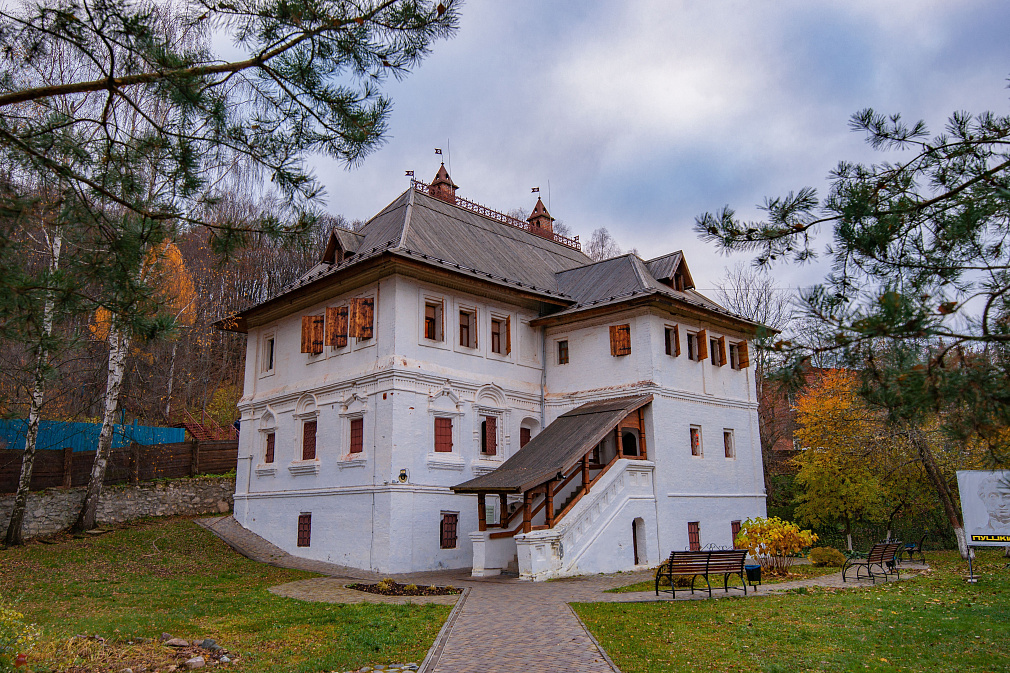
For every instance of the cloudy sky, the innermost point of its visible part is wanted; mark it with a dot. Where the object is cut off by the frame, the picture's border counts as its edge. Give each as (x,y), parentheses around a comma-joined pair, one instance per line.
(643,115)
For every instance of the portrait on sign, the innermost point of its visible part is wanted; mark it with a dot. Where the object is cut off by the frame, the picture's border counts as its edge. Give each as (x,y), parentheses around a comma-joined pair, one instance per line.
(985,505)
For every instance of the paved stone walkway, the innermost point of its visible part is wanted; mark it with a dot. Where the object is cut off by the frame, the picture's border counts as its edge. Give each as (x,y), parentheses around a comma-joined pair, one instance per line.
(505,624)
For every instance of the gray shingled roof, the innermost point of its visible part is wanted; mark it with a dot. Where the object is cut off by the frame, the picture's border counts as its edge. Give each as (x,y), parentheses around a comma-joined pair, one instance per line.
(556,449)
(425,229)
(619,279)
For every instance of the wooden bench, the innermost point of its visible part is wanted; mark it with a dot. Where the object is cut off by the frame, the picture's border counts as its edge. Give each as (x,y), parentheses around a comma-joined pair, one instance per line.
(723,562)
(882,554)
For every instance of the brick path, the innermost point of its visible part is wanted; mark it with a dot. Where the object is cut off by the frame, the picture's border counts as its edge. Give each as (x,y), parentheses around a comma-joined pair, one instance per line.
(505,624)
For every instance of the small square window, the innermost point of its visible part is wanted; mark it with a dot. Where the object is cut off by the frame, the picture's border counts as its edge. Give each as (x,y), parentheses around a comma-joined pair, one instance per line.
(268,354)
(734,531)
(496,331)
(734,356)
(468,329)
(304,529)
(357,435)
(447,537)
(563,352)
(433,320)
(696,441)
(728,445)
(672,339)
(692,347)
(713,349)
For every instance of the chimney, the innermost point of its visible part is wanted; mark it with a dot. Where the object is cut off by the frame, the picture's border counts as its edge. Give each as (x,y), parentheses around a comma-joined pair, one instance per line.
(442,187)
(541,222)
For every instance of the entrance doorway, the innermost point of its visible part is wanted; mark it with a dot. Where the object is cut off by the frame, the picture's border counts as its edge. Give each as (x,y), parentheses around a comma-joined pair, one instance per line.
(638,541)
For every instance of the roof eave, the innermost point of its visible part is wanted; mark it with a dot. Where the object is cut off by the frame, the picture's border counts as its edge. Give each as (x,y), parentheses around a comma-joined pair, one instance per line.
(650,300)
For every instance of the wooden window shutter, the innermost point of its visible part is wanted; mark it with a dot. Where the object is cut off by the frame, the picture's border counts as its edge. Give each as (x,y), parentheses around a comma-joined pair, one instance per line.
(309,440)
(336,326)
(744,355)
(524,437)
(357,435)
(676,340)
(694,535)
(702,345)
(304,530)
(508,334)
(443,435)
(722,350)
(269,457)
(491,436)
(447,538)
(313,328)
(362,318)
(620,340)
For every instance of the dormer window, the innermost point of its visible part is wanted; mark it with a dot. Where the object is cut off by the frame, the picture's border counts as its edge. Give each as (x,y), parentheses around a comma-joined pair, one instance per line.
(678,282)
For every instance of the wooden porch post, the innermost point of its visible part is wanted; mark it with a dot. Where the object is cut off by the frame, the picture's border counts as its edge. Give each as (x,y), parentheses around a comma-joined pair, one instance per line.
(550,503)
(481,513)
(503,517)
(585,472)
(617,440)
(641,435)
(527,520)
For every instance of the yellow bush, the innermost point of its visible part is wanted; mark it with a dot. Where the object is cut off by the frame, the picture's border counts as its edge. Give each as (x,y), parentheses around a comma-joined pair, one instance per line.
(773,542)
(16,636)
(826,557)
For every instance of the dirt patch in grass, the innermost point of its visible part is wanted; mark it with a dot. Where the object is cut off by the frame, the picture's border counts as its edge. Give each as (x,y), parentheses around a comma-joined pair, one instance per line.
(388,587)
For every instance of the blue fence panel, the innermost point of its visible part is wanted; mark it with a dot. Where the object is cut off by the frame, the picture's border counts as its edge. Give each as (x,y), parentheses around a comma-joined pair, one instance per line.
(55,435)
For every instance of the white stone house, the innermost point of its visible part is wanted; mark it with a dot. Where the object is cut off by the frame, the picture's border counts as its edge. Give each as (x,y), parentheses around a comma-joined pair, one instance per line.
(447,367)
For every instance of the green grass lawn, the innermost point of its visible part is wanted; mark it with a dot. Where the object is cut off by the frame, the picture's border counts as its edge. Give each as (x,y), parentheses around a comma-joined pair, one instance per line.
(936,622)
(797,572)
(170,575)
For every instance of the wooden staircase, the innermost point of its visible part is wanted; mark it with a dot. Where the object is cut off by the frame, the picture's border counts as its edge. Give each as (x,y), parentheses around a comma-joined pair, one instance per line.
(207,431)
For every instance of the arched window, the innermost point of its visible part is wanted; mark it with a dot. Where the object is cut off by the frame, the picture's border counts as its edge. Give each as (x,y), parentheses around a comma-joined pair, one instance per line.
(629,444)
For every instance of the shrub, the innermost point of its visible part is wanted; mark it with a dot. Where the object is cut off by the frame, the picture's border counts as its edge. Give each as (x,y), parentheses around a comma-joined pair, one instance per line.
(773,542)
(823,557)
(16,636)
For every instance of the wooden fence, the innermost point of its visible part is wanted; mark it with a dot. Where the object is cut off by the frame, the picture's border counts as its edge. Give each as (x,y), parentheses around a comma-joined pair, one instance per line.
(134,463)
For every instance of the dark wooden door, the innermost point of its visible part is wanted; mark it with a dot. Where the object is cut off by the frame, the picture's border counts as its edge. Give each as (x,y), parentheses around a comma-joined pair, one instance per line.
(634,540)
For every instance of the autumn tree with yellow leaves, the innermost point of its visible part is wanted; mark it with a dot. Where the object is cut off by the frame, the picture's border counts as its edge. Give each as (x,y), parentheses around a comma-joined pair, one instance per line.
(839,436)
(169,301)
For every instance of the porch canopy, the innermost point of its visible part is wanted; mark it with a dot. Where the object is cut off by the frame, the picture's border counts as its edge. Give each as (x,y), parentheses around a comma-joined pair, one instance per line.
(560,446)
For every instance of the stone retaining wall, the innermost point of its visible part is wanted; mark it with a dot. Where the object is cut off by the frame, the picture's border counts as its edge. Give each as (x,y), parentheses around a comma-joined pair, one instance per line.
(55,509)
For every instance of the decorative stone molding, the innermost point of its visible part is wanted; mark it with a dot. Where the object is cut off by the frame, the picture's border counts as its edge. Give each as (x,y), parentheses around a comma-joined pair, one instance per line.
(302,467)
(446,461)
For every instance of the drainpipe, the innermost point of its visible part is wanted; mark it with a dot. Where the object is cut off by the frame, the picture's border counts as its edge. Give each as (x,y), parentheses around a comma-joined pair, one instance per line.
(543,376)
